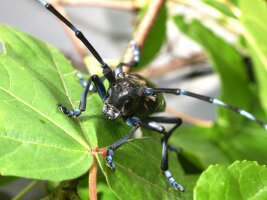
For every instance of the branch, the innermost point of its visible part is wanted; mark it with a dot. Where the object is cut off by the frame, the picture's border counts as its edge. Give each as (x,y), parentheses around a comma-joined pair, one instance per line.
(140,35)
(173,64)
(116,5)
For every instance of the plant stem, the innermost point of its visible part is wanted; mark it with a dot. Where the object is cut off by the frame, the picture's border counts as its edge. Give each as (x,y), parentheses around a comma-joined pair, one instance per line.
(116,5)
(92,180)
(173,64)
(25,190)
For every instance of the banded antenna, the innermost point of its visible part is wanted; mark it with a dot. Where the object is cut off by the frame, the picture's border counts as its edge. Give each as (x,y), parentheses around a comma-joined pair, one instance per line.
(78,33)
(209,100)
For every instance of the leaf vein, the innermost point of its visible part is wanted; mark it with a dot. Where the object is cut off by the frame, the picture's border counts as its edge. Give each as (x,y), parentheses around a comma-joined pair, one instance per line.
(48,118)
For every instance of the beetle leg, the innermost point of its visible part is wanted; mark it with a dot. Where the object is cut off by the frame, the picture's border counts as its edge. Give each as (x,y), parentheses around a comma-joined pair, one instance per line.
(134,62)
(110,151)
(100,89)
(152,125)
(84,83)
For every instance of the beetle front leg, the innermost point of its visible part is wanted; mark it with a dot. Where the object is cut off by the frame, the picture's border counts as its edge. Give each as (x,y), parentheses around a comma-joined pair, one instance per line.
(109,153)
(100,89)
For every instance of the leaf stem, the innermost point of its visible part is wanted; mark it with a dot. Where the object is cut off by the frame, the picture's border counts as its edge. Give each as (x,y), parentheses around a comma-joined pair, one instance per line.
(26,190)
(92,180)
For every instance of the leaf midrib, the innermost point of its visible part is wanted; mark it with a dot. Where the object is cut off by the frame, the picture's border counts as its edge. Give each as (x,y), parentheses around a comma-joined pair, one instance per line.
(41,144)
(68,96)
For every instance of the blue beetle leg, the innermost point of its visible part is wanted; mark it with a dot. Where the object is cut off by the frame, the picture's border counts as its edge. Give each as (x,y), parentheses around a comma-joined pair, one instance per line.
(133,121)
(83,82)
(136,58)
(100,89)
(81,79)
(109,159)
(152,125)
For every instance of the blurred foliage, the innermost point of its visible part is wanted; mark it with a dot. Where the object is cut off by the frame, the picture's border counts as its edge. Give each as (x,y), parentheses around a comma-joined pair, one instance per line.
(36,141)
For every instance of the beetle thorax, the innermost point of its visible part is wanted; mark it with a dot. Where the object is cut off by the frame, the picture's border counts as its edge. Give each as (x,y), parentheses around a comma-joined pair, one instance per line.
(126,98)
(121,99)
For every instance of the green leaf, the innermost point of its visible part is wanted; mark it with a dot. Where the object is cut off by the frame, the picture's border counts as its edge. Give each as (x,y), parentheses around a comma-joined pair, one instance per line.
(155,38)
(36,139)
(138,174)
(241,180)
(206,146)
(200,146)
(236,89)
(253,18)
(221,7)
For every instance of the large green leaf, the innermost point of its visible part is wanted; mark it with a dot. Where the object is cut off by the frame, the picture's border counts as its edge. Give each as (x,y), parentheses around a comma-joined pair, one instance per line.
(36,140)
(241,180)
(253,18)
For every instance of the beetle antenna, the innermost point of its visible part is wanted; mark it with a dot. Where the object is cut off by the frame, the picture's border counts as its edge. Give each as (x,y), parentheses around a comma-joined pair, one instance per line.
(217,102)
(78,33)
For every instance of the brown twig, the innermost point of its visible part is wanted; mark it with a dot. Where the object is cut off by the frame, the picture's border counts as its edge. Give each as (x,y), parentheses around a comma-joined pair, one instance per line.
(173,64)
(142,31)
(129,6)
(189,119)
(92,180)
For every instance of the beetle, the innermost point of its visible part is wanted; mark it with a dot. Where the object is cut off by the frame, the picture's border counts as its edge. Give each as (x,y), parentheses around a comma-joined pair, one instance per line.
(134,98)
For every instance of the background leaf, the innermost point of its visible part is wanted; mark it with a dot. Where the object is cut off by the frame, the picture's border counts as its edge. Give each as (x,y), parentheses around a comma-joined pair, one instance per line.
(220,6)
(254,16)
(230,67)
(241,180)
(232,137)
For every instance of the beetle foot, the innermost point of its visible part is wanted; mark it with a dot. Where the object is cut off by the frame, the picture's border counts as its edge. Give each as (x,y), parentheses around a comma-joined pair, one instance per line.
(172,181)
(109,160)
(69,113)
